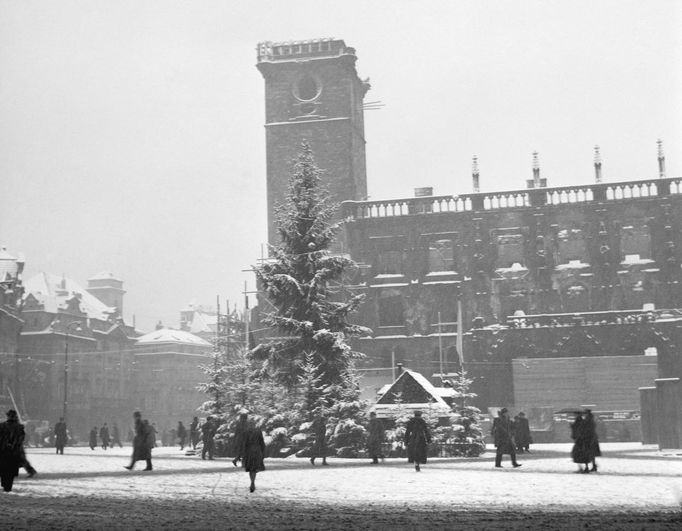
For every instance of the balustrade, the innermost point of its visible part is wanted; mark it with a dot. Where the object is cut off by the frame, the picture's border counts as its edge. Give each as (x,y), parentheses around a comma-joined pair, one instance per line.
(599,192)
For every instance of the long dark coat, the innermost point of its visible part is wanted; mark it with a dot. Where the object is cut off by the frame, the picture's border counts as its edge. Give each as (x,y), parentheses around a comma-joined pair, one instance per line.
(240,437)
(11,451)
(60,435)
(417,436)
(522,432)
(502,432)
(253,451)
(375,438)
(319,448)
(141,447)
(586,446)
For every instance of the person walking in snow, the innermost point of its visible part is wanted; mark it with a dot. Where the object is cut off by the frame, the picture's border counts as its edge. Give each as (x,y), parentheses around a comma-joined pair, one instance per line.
(522,436)
(417,437)
(208,430)
(181,433)
(116,436)
(12,436)
(253,453)
(60,436)
(319,448)
(194,433)
(142,449)
(375,438)
(503,435)
(93,438)
(104,436)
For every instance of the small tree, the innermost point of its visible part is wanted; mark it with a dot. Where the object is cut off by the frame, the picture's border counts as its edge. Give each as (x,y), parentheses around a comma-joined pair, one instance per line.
(298,279)
(468,439)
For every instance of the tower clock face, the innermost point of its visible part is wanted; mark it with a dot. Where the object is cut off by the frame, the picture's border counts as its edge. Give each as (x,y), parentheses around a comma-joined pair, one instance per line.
(307,88)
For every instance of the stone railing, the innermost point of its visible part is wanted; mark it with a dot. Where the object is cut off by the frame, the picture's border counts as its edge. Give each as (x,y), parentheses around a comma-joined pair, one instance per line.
(532,197)
(592,318)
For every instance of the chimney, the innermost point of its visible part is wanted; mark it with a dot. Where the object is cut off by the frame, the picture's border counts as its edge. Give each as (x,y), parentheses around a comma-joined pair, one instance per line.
(661,159)
(475,176)
(426,191)
(597,165)
(400,368)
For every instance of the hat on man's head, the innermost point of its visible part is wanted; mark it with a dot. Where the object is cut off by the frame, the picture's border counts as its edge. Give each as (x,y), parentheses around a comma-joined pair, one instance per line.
(503,410)
(11,414)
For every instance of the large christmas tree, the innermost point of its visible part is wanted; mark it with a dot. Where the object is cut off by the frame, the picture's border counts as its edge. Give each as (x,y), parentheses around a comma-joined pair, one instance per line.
(303,283)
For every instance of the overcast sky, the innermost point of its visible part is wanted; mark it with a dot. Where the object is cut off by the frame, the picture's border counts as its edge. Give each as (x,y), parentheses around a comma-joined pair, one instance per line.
(132,139)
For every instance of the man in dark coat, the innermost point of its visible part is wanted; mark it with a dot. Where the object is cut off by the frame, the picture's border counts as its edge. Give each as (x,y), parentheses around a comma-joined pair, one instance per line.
(181,433)
(502,432)
(60,437)
(142,449)
(208,430)
(104,435)
(11,449)
(375,437)
(417,437)
(253,453)
(116,436)
(522,433)
(194,433)
(319,448)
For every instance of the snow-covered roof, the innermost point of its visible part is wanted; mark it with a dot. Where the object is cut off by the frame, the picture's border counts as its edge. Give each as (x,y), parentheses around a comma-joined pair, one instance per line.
(168,335)
(53,292)
(203,322)
(436,395)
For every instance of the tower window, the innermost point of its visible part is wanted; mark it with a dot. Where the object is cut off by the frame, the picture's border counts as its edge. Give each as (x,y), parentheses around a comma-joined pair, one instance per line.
(307,88)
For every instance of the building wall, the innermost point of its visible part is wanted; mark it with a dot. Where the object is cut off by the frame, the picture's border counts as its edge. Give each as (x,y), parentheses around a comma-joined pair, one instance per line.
(607,383)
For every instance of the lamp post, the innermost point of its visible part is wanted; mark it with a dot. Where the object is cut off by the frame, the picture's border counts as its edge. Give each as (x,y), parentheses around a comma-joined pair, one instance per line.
(76,325)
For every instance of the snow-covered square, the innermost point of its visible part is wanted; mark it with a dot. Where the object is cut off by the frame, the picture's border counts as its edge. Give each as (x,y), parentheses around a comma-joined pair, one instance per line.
(636,487)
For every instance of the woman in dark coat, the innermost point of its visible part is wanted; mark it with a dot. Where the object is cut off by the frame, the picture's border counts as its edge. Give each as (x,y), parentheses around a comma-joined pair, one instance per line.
(592,439)
(586,447)
(253,453)
(11,449)
(417,436)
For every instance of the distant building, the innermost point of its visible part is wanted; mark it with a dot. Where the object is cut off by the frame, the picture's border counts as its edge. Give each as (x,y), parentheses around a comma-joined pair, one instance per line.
(167,372)
(11,291)
(227,328)
(67,327)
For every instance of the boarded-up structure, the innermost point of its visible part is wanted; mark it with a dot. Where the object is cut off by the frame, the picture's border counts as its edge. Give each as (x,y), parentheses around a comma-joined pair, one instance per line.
(609,383)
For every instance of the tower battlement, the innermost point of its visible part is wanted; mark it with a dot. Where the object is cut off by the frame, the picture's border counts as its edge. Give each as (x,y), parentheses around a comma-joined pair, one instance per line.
(298,50)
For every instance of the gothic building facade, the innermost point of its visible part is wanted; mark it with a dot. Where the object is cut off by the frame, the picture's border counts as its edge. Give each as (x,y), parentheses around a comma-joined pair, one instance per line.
(487,279)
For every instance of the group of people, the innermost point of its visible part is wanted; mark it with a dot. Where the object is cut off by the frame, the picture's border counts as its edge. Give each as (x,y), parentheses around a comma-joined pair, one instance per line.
(108,439)
(509,437)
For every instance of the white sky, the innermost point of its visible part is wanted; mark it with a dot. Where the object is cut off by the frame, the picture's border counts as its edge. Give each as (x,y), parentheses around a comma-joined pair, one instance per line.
(132,140)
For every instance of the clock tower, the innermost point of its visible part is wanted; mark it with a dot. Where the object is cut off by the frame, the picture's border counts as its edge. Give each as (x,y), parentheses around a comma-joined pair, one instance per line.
(313,93)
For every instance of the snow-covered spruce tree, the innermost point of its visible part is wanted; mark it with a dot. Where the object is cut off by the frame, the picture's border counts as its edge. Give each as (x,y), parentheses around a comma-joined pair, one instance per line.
(309,316)
(468,439)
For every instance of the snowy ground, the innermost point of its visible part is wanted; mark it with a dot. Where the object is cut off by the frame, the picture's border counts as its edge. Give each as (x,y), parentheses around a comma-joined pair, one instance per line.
(636,488)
